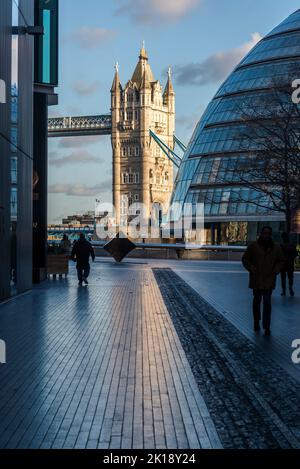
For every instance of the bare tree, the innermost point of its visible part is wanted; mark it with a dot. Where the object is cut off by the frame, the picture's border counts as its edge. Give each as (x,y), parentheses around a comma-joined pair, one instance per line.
(270,137)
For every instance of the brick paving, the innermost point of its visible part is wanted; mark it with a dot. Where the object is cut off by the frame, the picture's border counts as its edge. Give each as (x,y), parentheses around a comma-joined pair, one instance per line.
(254,403)
(98,367)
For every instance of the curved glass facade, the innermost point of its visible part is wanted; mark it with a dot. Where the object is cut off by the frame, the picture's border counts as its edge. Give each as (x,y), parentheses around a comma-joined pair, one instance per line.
(207,171)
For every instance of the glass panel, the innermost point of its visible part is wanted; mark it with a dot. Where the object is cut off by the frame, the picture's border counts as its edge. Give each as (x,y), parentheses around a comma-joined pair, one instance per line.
(46,45)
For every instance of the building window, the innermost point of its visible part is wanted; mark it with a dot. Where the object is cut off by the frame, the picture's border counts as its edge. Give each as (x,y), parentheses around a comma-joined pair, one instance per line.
(14,139)
(124,153)
(137,151)
(136,197)
(14,203)
(130,151)
(14,170)
(130,178)
(124,205)
(129,115)
(14,110)
(47,44)
(136,115)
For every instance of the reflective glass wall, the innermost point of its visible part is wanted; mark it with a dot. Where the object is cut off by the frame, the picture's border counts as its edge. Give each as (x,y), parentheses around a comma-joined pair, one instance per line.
(5,146)
(217,148)
(16,146)
(14,151)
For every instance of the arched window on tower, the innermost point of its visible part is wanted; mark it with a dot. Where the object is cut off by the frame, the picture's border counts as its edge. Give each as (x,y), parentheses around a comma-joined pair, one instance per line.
(158,178)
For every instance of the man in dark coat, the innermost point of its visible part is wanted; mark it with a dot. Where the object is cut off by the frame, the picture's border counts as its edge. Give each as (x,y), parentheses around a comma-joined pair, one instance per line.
(264,260)
(290,254)
(81,252)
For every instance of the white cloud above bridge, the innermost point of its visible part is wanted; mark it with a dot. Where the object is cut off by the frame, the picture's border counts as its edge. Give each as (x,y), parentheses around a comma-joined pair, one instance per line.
(83,88)
(76,157)
(151,11)
(80,190)
(89,37)
(214,68)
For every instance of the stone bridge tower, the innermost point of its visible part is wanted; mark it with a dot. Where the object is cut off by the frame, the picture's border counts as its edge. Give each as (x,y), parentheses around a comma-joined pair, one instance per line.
(141,171)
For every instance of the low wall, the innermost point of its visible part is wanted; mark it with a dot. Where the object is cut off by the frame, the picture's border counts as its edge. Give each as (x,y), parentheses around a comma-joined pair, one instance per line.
(178,254)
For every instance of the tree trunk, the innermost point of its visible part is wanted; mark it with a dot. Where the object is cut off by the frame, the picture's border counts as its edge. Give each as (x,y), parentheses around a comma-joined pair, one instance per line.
(288,220)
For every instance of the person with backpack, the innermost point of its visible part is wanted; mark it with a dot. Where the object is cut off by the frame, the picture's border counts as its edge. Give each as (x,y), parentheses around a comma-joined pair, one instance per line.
(290,254)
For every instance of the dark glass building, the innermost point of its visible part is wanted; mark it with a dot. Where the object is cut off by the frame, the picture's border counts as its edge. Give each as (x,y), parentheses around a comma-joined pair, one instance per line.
(207,174)
(28,75)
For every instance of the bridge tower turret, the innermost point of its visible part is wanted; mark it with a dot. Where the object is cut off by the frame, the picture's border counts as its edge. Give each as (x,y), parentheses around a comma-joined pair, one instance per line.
(142,172)
(116,96)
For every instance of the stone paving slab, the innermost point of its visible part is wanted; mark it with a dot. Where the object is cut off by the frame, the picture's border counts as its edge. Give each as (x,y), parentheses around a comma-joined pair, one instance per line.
(98,367)
(254,403)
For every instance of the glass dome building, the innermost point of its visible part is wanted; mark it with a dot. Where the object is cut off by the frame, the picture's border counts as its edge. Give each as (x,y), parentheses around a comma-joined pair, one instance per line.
(207,173)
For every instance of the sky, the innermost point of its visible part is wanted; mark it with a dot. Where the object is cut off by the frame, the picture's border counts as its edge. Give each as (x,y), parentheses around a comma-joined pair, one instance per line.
(202,41)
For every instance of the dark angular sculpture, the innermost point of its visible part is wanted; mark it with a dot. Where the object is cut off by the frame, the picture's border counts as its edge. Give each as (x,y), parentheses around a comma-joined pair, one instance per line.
(119,247)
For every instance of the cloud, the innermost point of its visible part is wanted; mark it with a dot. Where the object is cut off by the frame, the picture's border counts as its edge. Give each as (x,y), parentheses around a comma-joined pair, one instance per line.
(76,157)
(54,112)
(80,190)
(188,122)
(216,67)
(77,142)
(89,38)
(84,89)
(151,11)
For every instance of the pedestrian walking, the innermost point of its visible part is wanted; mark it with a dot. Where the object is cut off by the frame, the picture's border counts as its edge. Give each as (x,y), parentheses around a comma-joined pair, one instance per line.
(65,245)
(64,251)
(290,254)
(81,253)
(264,260)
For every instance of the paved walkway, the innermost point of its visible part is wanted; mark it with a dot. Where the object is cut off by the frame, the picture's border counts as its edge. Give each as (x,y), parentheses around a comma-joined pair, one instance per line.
(98,367)
(104,367)
(225,286)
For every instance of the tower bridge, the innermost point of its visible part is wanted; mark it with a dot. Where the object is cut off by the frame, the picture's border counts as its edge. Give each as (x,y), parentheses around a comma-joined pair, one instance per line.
(142,130)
